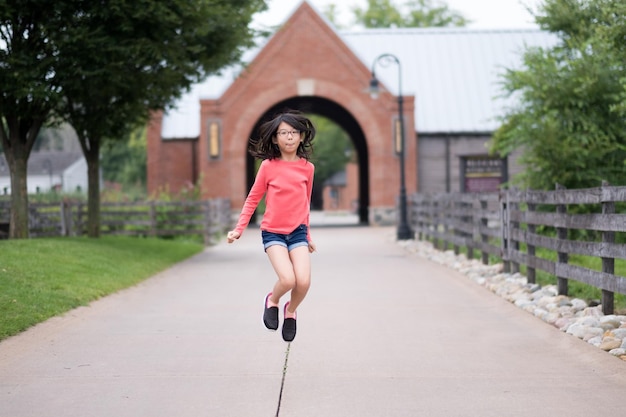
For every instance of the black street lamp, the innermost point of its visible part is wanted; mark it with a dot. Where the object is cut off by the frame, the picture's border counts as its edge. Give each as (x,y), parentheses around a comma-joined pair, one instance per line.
(404,232)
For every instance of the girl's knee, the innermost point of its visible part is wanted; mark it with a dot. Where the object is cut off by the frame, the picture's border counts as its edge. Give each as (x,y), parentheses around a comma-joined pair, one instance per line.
(288,281)
(303,282)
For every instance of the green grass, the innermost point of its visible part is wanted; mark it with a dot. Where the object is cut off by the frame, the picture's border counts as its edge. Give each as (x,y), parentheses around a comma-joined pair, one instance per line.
(42,278)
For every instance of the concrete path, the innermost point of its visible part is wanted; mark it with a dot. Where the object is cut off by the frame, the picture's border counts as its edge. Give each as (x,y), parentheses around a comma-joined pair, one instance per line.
(382,333)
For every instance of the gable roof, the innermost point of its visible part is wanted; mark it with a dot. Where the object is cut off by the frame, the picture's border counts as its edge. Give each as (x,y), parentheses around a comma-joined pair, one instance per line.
(454,74)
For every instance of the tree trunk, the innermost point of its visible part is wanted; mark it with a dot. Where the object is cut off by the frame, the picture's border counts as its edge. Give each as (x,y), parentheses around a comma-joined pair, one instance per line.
(93,194)
(19,197)
(17,144)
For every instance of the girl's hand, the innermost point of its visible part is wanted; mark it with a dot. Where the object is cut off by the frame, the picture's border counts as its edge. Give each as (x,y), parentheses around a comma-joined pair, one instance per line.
(232,236)
(311,246)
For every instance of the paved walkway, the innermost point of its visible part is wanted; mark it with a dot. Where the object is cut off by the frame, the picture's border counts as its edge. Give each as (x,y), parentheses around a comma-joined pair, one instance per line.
(382,333)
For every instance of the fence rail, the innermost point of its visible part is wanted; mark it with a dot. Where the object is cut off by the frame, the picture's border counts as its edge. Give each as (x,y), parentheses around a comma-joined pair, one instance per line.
(205,218)
(513,224)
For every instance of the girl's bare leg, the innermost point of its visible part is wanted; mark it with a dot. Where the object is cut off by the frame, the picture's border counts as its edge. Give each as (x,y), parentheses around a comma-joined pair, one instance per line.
(281,262)
(294,274)
(301,261)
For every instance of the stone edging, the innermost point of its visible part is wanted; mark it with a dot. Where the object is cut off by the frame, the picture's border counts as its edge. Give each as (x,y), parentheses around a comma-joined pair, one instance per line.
(571,315)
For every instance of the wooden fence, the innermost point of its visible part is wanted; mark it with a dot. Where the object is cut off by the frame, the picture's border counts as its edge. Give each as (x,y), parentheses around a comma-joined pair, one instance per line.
(206,218)
(512,224)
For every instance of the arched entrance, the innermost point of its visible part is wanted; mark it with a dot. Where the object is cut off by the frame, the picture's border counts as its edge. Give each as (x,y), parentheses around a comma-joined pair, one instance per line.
(304,66)
(339,115)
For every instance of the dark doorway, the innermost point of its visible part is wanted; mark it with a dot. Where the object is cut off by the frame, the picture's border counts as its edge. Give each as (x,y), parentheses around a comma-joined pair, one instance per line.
(339,115)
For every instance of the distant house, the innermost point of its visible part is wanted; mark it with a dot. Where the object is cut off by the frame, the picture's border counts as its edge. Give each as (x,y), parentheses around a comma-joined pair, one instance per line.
(341,191)
(50,170)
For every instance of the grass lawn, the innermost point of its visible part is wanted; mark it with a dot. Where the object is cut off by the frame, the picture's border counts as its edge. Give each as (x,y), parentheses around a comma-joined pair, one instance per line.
(42,278)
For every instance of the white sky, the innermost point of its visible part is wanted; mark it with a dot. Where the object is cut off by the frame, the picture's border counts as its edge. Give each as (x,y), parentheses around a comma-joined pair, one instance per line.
(484,14)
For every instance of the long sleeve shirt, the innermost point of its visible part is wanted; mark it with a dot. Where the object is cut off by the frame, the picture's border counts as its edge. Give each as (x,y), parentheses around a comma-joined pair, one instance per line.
(287,186)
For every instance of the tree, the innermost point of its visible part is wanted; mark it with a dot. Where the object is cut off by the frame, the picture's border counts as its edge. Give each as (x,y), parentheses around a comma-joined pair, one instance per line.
(30,95)
(148,54)
(414,13)
(331,150)
(330,11)
(107,64)
(567,119)
(124,161)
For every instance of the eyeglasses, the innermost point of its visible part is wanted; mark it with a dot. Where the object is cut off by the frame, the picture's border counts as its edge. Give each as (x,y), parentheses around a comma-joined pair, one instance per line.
(284,133)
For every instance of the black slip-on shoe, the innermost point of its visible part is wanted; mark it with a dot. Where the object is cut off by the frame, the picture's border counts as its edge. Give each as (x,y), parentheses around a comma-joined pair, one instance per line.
(289,327)
(270,315)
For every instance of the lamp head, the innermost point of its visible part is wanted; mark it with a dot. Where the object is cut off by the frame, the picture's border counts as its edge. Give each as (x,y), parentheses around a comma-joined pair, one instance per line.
(374,89)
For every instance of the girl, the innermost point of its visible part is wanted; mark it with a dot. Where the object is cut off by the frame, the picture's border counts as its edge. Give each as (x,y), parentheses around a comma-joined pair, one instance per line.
(285,177)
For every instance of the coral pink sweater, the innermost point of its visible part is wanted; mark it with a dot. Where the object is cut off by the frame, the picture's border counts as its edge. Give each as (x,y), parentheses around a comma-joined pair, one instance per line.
(287,187)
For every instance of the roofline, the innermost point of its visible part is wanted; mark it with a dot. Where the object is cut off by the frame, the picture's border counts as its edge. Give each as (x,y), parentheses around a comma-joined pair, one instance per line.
(437,30)
(459,133)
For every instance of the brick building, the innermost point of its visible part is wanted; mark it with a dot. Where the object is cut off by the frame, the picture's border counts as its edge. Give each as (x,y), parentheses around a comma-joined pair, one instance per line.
(449,79)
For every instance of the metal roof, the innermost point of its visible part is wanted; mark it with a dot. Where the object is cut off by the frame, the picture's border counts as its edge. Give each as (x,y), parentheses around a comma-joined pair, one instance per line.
(454,74)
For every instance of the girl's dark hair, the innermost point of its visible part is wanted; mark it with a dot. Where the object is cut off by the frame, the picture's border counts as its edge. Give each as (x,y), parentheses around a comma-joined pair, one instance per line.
(263,147)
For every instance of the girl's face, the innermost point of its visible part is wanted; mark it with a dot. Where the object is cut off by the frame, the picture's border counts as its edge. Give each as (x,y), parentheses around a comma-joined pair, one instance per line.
(288,139)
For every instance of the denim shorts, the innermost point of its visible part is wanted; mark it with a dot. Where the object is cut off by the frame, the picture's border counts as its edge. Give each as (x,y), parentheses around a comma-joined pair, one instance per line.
(291,241)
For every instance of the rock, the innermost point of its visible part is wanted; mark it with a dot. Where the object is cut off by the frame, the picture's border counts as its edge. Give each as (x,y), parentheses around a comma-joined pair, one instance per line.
(618,352)
(563,323)
(552,317)
(596,341)
(590,321)
(609,343)
(619,333)
(577,330)
(591,332)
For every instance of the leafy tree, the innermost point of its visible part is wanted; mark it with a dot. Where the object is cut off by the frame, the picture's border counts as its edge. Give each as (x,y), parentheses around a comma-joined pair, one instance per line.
(567,122)
(331,150)
(330,11)
(102,66)
(413,13)
(149,53)
(124,161)
(30,94)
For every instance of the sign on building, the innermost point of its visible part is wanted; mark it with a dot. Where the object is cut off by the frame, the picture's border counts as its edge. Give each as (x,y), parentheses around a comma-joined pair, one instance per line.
(482,173)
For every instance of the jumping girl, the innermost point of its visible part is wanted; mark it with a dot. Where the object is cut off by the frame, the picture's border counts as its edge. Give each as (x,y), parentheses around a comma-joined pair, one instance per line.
(285,177)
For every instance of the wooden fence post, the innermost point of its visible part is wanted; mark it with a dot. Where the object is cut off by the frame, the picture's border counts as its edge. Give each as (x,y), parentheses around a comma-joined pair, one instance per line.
(513,244)
(431,209)
(563,258)
(504,230)
(608,264)
(530,270)
(469,219)
(80,226)
(436,210)
(208,221)
(153,219)
(484,238)
(418,204)
(65,216)
(454,209)
(445,217)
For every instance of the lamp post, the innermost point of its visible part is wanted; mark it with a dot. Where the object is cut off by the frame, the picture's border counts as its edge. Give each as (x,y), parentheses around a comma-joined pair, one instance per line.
(404,232)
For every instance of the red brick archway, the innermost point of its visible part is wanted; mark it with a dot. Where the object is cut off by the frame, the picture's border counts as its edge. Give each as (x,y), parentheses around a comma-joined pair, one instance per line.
(306,66)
